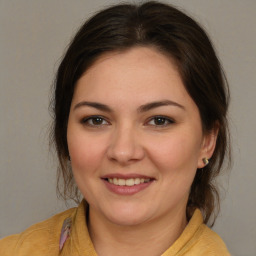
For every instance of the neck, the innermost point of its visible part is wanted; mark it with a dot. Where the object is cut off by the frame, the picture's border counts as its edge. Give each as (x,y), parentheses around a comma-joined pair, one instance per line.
(151,238)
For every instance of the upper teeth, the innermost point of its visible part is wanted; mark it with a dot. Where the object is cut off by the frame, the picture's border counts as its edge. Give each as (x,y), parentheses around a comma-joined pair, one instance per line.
(127,182)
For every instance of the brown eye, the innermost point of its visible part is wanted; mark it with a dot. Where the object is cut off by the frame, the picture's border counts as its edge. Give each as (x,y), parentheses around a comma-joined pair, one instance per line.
(97,120)
(160,121)
(94,121)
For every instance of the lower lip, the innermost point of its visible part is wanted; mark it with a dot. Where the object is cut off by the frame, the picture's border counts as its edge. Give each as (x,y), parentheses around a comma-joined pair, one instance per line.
(127,190)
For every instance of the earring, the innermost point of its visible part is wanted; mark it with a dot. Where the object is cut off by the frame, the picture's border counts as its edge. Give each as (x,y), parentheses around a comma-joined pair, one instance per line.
(205,160)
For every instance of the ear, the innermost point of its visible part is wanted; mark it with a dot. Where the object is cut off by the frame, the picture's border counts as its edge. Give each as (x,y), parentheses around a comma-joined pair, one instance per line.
(208,146)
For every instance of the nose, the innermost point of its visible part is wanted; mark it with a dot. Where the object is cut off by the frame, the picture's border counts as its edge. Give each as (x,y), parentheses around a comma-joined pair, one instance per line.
(125,146)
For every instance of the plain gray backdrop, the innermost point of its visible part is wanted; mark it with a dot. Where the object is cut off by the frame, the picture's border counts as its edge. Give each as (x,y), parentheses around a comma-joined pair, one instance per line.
(33,36)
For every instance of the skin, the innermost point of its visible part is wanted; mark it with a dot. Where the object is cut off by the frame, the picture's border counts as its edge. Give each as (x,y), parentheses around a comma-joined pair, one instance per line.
(127,139)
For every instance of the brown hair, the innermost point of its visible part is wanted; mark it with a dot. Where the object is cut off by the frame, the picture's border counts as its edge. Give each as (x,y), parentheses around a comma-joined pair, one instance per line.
(176,35)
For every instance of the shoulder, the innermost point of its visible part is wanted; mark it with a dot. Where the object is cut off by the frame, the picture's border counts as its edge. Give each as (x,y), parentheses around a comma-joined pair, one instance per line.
(40,239)
(198,239)
(210,243)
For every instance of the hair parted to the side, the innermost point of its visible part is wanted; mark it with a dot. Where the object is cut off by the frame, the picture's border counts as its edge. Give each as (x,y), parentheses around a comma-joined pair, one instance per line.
(177,36)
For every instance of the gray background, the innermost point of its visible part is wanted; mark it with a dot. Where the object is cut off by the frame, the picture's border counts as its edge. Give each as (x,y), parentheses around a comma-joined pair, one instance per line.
(33,36)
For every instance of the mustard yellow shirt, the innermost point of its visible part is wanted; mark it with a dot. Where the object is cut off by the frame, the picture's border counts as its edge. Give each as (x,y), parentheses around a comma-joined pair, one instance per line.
(43,239)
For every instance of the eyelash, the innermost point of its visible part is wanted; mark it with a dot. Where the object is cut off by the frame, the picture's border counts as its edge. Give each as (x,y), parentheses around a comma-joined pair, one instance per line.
(166,121)
(85,121)
(162,118)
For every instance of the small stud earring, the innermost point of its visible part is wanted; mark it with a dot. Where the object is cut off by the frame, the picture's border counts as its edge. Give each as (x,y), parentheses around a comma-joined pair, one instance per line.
(205,160)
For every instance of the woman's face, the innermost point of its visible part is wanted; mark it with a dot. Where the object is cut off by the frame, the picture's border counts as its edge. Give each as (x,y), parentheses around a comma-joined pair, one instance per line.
(135,137)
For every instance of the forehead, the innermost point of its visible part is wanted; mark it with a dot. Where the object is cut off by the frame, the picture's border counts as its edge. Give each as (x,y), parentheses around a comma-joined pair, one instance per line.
(142,72)
(141,58)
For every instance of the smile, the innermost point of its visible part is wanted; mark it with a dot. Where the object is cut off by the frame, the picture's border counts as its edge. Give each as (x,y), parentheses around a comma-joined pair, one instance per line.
(127,182)
(127,185)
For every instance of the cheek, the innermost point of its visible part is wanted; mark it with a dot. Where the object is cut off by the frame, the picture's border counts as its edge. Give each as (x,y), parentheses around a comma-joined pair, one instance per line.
(176,152)
(85,153)
(176,162)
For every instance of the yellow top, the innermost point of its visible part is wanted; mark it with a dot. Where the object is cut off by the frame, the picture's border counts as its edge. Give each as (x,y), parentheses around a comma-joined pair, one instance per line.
(43,239)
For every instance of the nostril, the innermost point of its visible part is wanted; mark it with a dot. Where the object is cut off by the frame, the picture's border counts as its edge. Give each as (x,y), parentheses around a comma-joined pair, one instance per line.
(125,153)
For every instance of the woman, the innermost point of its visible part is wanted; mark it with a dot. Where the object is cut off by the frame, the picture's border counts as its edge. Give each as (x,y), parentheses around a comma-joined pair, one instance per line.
(140,130)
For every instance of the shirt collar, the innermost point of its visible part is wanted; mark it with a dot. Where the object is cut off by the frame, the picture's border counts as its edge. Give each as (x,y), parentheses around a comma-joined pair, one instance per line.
(79,242)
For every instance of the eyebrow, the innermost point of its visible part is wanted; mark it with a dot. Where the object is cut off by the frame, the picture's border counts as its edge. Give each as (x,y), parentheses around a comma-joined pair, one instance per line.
(157,104)
(142,108)
(96,105)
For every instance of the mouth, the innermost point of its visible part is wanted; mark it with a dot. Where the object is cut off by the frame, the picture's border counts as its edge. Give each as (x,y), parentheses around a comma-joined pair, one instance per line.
(128,182)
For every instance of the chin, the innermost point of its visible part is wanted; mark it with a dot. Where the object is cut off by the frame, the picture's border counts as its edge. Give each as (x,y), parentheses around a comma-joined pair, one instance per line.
(127,215)
(127,220)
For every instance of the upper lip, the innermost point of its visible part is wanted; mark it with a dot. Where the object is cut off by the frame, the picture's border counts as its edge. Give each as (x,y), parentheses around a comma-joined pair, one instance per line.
(126,176)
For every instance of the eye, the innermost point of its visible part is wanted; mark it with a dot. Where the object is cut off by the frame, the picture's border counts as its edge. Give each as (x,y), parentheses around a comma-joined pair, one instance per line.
(94,121)
(160,121)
